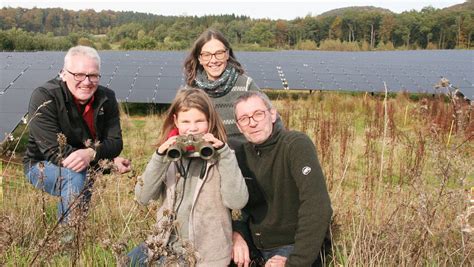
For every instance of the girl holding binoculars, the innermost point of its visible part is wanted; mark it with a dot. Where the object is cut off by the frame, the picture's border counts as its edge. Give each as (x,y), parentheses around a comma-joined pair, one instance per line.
(196,200)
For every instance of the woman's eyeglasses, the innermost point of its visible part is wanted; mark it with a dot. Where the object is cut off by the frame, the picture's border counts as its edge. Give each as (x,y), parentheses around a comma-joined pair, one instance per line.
(219,55)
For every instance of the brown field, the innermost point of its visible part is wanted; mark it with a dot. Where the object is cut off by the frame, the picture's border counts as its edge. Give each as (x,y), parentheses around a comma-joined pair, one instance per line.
(399,172)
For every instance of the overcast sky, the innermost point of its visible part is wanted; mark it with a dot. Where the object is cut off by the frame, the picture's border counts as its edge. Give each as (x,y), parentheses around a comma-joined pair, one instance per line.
(253,8)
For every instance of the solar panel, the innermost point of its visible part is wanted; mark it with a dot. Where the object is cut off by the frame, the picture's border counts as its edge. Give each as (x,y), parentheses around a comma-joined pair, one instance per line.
(163,96)
(7,77)
(9,121)
(147,83)
(33,78)
(151,70)
(171,71)
(12,108)
(154,76)
(108,69)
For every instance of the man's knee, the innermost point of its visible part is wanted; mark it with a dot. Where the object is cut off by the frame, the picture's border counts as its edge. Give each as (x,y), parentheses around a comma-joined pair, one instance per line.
(73,184)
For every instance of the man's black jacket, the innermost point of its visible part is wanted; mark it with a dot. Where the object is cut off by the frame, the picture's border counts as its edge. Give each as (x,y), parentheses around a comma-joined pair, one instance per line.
(52,110)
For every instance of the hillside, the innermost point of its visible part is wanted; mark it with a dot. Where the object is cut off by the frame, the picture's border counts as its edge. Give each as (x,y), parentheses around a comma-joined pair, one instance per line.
(468,5)
(362,9)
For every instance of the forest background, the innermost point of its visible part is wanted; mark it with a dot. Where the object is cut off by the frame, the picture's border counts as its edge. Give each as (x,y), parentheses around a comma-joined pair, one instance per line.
(346,29)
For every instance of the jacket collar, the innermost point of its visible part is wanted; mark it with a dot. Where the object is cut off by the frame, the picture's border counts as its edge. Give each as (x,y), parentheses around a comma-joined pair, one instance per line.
(273,139)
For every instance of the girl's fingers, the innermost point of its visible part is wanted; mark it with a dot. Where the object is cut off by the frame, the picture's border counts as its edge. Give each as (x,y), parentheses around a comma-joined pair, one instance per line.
(208,137)
(167,144)
(216,143)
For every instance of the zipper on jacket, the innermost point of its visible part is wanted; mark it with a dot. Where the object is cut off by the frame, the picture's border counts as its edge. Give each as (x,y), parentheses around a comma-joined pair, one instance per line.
(259,239)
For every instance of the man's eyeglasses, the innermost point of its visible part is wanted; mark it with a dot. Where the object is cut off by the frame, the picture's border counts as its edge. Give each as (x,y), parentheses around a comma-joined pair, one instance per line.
(258,115)
(219,55)
(93,78)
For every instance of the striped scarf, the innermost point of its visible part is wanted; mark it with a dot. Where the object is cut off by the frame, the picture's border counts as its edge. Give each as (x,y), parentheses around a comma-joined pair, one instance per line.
(219,87)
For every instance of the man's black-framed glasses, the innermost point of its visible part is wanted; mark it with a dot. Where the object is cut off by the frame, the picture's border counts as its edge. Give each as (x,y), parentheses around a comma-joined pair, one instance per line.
(93,78)
(219,55)
(257,116)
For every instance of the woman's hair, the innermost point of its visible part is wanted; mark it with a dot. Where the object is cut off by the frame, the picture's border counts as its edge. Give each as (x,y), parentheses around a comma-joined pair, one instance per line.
(191,64)
(82,51)
(187,99)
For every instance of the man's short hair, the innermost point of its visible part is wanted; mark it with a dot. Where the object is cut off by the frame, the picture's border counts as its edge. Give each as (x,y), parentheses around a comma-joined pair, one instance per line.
(83,51)
(245,96)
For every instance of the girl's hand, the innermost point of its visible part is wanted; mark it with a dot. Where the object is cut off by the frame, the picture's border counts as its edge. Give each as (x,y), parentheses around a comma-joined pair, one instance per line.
(167,144)
(216,143)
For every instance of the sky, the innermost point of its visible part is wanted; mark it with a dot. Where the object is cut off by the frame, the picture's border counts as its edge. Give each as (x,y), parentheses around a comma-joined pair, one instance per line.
(279,9)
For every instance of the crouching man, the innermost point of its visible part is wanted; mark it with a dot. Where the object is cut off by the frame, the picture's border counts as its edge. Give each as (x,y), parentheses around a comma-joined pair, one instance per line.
(289,211)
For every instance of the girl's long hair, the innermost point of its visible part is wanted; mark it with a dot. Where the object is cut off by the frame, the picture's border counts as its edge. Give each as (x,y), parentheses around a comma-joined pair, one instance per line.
(191,64)
(187,99)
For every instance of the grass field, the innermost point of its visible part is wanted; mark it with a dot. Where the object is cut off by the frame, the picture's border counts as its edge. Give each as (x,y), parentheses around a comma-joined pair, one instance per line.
(399,172)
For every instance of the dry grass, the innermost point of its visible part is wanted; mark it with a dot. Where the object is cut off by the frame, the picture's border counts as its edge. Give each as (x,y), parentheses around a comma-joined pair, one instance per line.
(399,173)
(399,184)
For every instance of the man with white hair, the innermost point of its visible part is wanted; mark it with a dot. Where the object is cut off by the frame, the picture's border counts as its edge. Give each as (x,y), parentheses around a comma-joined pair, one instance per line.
(86,113)
(289,211)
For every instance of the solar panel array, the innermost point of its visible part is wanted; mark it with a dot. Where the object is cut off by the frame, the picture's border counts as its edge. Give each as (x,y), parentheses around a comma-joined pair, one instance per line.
(154,76)
(414,71)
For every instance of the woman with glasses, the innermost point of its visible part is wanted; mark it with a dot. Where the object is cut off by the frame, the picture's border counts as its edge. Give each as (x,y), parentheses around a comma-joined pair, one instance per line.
(212,66)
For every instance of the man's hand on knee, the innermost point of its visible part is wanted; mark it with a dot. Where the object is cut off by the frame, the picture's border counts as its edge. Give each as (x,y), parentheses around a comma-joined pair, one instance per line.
(78,160)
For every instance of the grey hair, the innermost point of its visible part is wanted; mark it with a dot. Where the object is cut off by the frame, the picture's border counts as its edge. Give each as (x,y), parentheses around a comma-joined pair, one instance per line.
(249,94)
(83,51)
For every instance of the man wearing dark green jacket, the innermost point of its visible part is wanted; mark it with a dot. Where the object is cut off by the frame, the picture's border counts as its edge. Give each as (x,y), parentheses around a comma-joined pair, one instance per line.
(289,210)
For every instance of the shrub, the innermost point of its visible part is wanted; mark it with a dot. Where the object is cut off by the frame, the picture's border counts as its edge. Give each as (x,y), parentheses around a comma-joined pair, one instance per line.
(337,45)
(306,45)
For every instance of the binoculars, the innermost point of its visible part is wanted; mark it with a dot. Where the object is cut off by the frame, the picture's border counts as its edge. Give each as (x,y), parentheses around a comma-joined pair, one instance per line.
(190,146)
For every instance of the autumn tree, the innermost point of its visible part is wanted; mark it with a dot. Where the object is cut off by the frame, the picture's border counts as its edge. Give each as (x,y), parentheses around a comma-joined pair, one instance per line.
(386,28)
(281,33)
(335,32)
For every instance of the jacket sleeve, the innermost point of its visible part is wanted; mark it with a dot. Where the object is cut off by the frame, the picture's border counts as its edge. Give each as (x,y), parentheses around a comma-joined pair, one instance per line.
(233,188)
(152,182)
(44,126)
(111,143)
(314,214)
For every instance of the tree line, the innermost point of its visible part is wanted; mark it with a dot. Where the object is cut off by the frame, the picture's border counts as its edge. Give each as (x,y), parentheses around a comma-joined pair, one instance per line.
(353,28)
